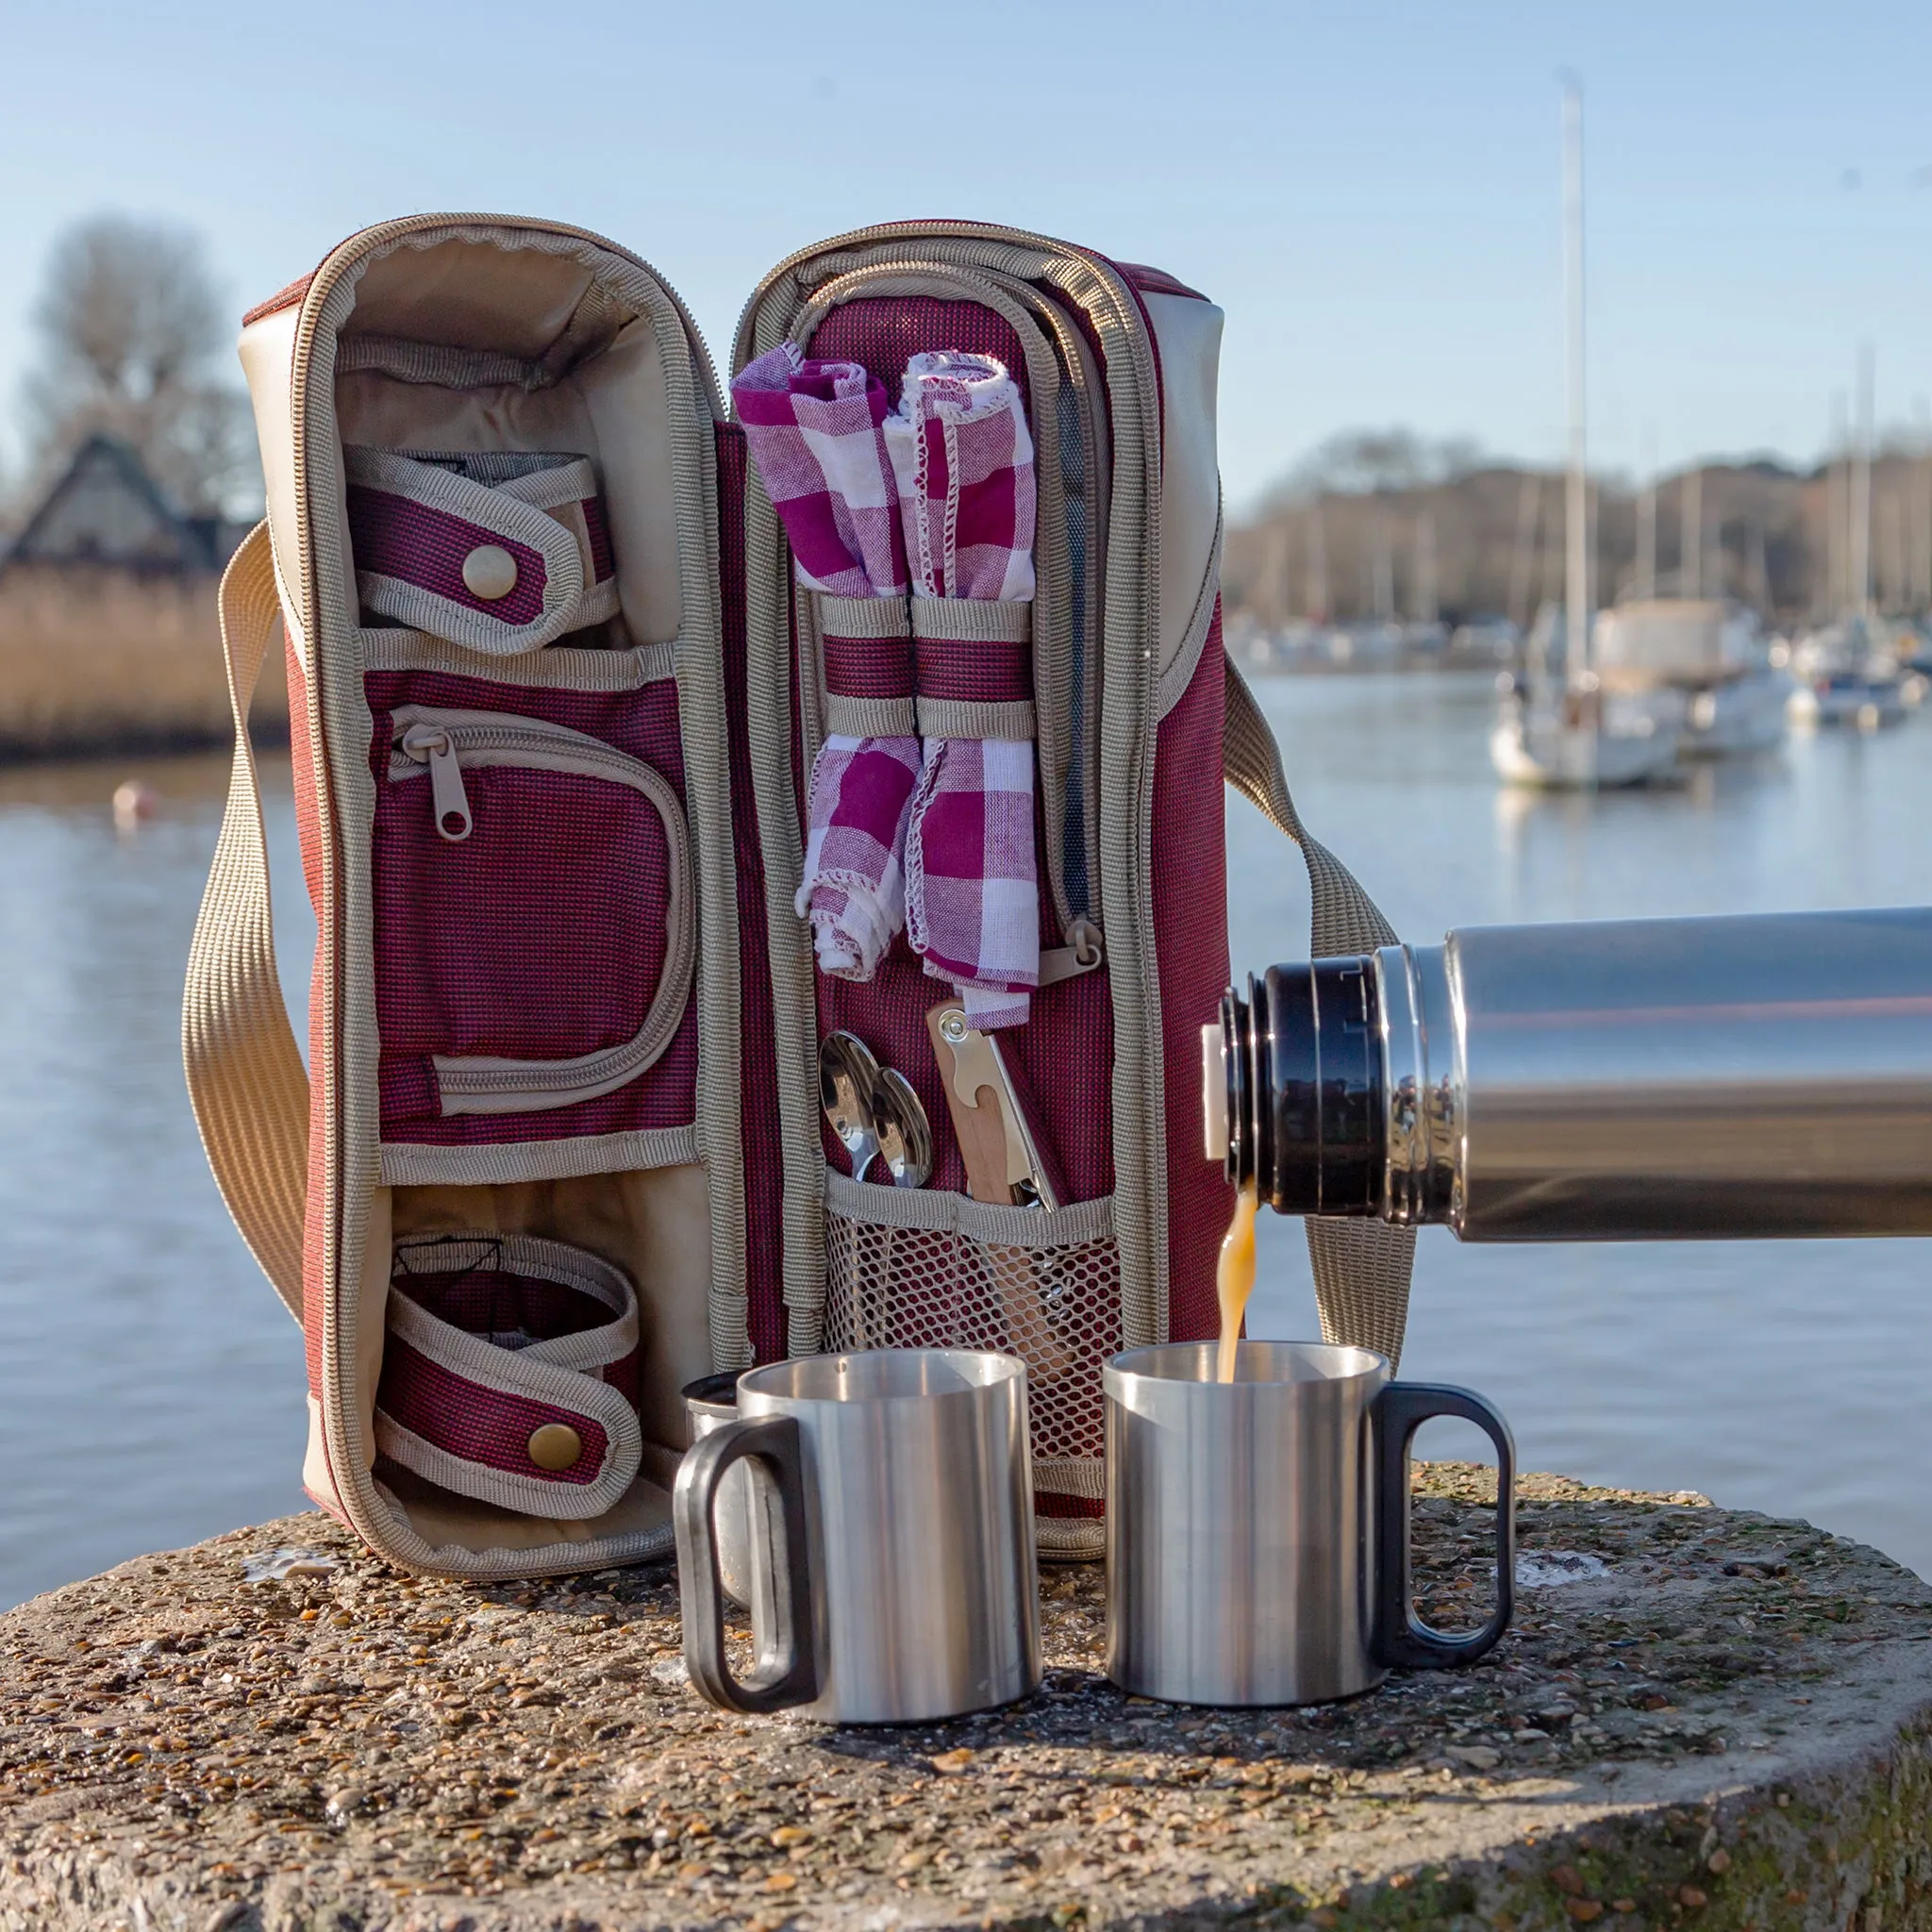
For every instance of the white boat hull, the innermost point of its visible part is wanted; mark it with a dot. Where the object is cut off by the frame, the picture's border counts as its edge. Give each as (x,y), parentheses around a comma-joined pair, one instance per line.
(1860,706)
(1737,719)
(1542,748)
(1619,741)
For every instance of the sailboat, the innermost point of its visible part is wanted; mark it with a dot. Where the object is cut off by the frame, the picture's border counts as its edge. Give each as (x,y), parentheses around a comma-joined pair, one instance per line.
(1711,651)
(1849,671)
(1567,731)
(1560,727)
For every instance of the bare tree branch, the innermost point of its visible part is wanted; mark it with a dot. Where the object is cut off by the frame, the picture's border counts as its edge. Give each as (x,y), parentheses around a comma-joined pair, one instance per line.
(130,328)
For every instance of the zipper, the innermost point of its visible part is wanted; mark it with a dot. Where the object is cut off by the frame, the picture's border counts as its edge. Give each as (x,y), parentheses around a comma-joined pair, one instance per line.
(443,741)
(442,744)
(431,744)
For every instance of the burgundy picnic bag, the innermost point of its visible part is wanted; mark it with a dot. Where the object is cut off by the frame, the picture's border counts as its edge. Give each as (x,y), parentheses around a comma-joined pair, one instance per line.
(570,722)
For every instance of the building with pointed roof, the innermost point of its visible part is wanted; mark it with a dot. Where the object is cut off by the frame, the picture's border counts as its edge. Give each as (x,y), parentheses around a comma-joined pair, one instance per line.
(105,511)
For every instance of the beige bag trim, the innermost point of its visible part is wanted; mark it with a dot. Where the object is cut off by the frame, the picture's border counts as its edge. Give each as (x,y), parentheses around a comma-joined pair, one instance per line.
(556,1372)
(395,1535)
(1361,1268)
(1176,679)
(972,620)
(245,1078)
(548,1260)
(420,1164)
(526,1496)
(879,619)
(338,725)
(960,620)
(875,1205)
(567,604)
(557,667)
(441,365)
(844,717)
(1017,719)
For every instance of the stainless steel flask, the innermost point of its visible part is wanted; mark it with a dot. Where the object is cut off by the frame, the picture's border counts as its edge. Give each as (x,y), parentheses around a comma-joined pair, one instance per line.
(1258,1530)
(892,1577)
(1639,1080)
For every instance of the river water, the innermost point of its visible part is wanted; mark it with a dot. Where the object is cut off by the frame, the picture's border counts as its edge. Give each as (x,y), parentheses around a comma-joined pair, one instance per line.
(151,1385)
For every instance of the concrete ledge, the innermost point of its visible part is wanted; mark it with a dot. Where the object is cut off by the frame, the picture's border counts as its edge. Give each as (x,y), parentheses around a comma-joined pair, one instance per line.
(1714,1719)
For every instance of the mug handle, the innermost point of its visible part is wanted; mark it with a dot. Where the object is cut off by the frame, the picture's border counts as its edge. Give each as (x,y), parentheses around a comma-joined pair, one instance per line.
(1402,1639)
(786,1673)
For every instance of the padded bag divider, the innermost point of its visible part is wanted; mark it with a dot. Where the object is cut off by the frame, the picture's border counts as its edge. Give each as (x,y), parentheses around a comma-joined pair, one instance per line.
(444,335)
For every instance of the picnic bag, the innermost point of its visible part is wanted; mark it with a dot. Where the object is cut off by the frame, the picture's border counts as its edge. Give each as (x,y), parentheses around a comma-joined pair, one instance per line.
(572,714)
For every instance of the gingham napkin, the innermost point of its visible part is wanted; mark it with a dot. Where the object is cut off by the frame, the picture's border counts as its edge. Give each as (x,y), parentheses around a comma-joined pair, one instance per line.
(814,429)
(963,463)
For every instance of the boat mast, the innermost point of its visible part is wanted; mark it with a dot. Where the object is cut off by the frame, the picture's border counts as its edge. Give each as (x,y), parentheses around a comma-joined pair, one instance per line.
(1576,558)
(1646,523)
(1861,491)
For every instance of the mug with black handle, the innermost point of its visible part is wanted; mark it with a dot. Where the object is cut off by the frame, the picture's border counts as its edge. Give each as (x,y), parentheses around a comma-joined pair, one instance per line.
(1258,1531)
(891,1570)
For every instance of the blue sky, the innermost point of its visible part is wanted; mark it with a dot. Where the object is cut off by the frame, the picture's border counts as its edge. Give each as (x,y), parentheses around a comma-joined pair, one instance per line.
(1371,190)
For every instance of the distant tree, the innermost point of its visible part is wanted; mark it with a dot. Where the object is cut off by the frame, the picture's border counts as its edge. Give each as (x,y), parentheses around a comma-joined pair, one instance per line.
(130,328)
(1358,462)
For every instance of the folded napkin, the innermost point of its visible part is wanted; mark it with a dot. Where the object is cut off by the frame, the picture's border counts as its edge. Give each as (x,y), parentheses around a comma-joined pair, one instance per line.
(814,429)
(962,460)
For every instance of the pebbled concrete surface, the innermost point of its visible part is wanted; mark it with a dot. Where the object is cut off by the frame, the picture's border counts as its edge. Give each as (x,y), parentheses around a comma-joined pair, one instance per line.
(1702,1718)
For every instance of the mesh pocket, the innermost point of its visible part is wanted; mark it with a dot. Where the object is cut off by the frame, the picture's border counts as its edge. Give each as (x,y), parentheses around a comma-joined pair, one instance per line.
(909,1267)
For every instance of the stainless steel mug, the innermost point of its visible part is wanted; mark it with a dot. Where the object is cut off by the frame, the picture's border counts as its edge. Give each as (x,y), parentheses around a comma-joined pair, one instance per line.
(893,1578)
(709,1403)
(1258,1530)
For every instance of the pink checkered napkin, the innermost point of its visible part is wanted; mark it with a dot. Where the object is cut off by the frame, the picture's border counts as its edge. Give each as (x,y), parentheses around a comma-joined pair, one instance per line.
(855,880)
(972,881)
(814,429)
(963,462)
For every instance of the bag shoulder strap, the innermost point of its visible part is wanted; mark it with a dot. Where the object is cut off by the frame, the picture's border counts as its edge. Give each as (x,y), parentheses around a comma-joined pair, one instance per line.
(1361,1268)
(245,1078)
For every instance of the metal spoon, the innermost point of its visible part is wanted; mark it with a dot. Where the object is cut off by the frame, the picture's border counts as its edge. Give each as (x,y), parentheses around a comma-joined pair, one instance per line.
(848,1077)
(904,1133)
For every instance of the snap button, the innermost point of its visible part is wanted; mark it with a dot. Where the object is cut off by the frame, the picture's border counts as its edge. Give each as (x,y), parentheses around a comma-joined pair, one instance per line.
(489,572)
(556,1446)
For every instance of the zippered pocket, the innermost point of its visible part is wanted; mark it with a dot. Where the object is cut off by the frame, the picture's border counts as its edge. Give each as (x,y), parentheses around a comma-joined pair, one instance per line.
(535,919)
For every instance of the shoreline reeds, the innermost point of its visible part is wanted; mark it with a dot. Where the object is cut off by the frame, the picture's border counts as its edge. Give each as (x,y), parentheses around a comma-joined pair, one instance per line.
(96,659)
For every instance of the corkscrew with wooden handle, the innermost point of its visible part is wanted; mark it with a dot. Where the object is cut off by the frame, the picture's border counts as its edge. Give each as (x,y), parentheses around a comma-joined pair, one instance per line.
(1005,1164)
(997,1139)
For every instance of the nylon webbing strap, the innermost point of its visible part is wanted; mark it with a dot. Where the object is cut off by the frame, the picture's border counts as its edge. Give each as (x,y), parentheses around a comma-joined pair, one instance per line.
(245,1078)
(1361,1268)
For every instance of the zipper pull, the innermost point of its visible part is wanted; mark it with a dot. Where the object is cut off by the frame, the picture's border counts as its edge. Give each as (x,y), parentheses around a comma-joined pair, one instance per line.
(431,744)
